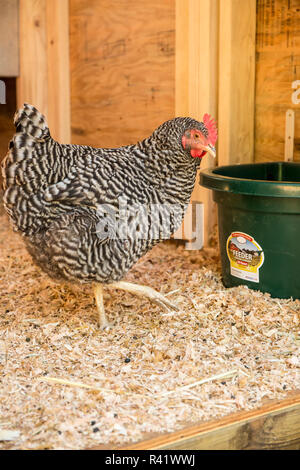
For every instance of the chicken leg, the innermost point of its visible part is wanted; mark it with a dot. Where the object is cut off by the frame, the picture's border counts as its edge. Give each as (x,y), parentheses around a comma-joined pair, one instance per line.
(103,322)
(141,291)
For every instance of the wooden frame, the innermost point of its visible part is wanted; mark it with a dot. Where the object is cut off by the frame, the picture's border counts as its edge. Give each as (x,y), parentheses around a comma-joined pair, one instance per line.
(44,62)
(275,425)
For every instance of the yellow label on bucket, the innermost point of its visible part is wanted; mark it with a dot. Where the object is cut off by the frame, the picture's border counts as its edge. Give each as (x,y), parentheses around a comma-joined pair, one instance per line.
(246,256)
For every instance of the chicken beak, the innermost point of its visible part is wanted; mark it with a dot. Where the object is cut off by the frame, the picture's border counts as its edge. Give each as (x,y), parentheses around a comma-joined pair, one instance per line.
(211,150)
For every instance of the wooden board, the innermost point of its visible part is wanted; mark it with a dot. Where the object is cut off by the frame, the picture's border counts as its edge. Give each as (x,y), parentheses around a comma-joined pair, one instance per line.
(44,62)
(236,81)
(275,425)
(122,69)
(277,67)
(9,57)
(196,83)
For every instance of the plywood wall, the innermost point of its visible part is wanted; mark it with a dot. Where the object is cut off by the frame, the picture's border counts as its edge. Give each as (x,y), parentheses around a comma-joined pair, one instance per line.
(122,58)
(277,67)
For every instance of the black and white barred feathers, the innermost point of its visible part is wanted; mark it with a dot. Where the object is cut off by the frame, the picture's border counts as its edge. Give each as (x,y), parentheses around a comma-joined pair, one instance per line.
(89,214)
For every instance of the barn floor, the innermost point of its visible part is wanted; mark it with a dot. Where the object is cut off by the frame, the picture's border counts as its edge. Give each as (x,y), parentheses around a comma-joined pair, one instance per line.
(67,385)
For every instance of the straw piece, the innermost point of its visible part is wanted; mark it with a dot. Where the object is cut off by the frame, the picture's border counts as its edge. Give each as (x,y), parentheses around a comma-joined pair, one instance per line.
(7,435)
(74,384)
(225,375)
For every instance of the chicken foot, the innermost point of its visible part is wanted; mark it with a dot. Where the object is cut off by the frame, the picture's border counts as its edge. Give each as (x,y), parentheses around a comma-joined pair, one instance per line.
(145,291)
(136,289)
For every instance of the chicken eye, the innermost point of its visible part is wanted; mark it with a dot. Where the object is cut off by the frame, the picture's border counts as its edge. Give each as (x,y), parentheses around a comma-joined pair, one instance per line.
(197,136)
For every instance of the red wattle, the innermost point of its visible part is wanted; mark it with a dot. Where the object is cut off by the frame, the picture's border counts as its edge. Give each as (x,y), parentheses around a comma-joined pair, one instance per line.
(197,153)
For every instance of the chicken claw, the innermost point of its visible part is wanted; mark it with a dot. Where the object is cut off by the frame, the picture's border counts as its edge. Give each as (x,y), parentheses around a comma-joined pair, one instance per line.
(145,291)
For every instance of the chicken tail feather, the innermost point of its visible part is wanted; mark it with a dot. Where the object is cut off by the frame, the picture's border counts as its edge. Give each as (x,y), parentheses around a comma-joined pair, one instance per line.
(26,169)
(30,121)
(20,166)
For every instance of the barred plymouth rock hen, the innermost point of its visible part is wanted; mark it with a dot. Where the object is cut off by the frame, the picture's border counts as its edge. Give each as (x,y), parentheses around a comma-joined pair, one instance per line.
(88,214)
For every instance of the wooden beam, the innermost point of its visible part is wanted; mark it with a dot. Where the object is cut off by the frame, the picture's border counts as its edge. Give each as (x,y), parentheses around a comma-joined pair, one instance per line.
(196,81)
(9,29)
(44,62)
(59,101)
(236,81)
(32,83)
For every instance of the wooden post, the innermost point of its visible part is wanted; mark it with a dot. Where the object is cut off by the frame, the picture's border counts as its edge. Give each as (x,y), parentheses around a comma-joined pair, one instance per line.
(236,81)
(59,99)
(44,62)
(196,81)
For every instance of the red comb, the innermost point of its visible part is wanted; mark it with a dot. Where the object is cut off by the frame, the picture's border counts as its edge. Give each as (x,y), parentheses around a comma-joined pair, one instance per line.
(211,127)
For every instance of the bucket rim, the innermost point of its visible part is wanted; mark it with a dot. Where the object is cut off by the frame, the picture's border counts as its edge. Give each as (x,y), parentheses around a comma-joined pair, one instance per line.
(252,187)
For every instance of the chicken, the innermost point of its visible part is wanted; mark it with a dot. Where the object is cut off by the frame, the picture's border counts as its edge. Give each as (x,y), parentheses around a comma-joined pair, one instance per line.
(88,214)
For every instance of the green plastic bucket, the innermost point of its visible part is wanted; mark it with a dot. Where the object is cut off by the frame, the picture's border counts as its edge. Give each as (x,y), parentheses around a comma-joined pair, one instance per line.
(259,225)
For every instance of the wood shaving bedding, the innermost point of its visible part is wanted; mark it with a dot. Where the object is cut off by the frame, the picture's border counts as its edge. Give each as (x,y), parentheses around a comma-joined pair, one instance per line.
(67,385)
